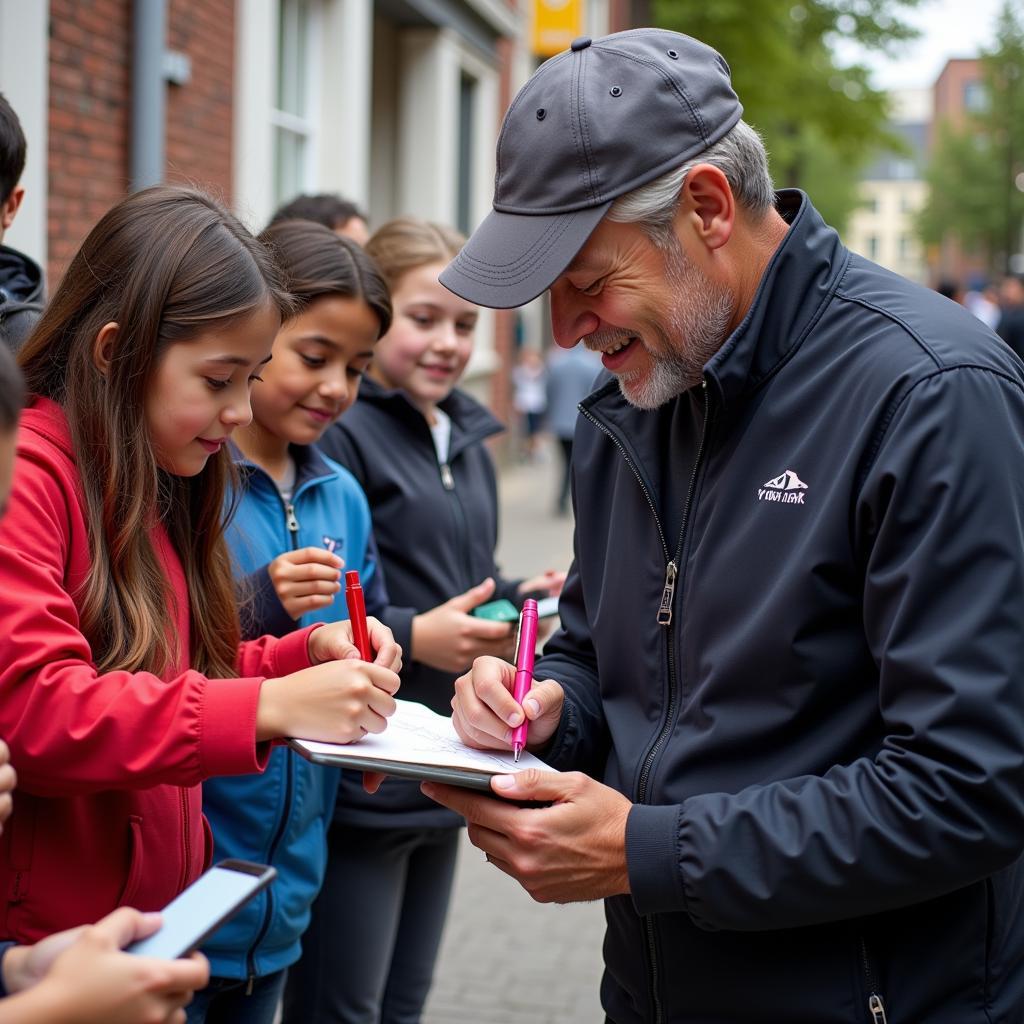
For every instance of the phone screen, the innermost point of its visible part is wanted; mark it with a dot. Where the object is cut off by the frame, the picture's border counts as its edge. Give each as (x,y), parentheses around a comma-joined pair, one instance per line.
(202,908)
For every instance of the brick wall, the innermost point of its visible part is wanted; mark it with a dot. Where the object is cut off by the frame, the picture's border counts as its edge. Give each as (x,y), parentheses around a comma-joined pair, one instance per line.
(89,118)
(90,48)
(199,114)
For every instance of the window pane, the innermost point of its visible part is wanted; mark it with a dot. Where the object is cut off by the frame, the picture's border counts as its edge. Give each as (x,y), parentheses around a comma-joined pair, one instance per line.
(464,177)
(289,165)
(292,56)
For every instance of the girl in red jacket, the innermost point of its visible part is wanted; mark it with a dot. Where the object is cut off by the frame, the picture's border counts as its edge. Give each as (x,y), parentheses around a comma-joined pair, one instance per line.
(123,683)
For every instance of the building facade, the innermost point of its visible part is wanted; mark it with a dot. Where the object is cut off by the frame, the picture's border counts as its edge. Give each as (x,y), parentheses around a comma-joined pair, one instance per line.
(893,191)
(395,104)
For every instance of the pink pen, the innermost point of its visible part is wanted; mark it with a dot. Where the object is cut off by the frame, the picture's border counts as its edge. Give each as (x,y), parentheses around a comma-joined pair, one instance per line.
(525,650)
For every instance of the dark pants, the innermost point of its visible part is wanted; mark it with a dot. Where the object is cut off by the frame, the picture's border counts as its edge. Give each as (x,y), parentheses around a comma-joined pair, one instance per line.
(368,955)
(225,1001)
(565,446)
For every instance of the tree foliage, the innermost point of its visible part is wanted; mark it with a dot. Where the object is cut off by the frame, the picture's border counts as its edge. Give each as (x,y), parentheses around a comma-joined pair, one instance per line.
(822,122)
(973,171)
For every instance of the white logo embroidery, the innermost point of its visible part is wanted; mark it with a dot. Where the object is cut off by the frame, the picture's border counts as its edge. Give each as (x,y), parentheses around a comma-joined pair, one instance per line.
(786,487)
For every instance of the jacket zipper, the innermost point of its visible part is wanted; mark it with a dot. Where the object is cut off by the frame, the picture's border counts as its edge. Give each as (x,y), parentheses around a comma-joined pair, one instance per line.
(185,822)
(875,1005)
(293,529)
(448,483)
(664,618)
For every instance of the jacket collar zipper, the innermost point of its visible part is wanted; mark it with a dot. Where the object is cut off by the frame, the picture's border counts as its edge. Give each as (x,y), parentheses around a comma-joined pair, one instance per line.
(664,618)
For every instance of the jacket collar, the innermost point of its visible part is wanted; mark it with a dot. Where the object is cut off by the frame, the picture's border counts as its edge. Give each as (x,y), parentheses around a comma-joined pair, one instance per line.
(471,422)
(310,464)
(800,278)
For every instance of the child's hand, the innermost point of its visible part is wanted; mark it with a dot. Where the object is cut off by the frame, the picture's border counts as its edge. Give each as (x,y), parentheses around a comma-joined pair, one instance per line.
(82,975)
(549,582)
(334,642)
(306,579)
(336,702)
(449,638)
(8,780)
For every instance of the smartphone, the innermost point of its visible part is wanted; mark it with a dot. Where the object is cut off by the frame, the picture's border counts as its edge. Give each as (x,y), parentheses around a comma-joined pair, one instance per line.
(498,611)
(195,914)
(546,607)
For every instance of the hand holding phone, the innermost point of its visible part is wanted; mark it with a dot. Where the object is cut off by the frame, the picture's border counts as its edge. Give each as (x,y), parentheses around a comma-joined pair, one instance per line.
(195,914)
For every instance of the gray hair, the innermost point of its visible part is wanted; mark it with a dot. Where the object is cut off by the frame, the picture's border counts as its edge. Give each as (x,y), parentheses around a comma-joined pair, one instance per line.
(740,155)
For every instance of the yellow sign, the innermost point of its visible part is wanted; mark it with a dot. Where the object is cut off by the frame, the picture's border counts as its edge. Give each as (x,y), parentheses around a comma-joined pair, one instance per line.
(556,23)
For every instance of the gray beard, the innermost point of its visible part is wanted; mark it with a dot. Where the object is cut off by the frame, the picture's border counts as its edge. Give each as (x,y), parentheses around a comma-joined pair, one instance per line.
(696,327)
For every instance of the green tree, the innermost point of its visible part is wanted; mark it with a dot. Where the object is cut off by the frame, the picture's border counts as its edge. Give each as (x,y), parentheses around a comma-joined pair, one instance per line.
(822,122)
(974,171)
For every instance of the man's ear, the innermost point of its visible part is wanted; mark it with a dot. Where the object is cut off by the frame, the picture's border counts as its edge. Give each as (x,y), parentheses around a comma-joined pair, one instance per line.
(707,205)
(9,207)
(103,346)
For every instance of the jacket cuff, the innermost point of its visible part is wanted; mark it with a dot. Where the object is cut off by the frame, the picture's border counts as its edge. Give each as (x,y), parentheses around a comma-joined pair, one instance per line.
(227,744)
(399,621)
(262,611)
(291,652)
(652,859)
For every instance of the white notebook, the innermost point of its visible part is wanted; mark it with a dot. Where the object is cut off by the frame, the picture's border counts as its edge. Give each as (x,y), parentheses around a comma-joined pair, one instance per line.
(421,744)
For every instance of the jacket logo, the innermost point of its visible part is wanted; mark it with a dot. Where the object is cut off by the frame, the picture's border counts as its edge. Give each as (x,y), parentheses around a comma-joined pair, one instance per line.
(333,543)
(786,487)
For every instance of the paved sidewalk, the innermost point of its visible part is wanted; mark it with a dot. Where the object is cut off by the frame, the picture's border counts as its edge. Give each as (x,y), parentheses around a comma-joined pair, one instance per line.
(504,958)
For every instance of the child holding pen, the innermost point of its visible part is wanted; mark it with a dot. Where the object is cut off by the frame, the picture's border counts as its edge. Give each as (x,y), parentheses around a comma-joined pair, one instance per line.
(123,682)
(299,519)
(416,445)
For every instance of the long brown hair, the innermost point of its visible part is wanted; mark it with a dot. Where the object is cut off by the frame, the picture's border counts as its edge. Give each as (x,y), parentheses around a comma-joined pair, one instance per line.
(165,264)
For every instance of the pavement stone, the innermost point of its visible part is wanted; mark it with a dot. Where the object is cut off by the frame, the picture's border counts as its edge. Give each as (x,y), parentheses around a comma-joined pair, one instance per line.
(504,958)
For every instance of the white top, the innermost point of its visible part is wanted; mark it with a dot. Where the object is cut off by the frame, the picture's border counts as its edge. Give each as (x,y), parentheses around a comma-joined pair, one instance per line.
(441,431)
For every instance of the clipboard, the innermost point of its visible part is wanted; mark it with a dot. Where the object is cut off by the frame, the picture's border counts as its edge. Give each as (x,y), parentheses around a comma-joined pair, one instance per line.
(419,744)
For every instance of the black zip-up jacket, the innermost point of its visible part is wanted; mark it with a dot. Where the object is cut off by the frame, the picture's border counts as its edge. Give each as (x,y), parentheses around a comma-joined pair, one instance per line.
(436,527)
(825,745)
(21,296)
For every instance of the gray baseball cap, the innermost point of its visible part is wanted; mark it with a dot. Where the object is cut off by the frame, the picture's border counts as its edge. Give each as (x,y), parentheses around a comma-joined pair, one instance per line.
(596,121)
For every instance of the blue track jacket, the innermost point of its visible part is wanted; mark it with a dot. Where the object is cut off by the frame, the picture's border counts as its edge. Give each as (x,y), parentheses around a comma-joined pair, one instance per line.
(281,816)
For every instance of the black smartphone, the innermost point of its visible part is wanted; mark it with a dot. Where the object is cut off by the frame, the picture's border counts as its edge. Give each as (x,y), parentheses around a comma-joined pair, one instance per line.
(195,914)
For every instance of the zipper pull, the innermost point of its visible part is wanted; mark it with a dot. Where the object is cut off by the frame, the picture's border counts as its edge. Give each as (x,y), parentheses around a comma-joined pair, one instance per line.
(293,523)
(877,1010)
(446,477)
(665,610)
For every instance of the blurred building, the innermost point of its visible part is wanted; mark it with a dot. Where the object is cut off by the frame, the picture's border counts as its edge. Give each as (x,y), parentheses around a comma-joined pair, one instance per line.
(892,192)
(958,92)
(394,103)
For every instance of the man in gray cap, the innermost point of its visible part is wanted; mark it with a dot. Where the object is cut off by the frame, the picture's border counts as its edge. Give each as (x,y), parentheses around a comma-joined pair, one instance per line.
(788,690)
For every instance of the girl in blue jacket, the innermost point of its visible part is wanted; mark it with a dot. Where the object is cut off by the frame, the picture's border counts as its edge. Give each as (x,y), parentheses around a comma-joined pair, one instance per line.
(415,443)
(300,517)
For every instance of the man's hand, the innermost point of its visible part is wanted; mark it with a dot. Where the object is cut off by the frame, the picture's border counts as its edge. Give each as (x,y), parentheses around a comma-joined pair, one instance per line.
(306,579)
(571,851)
(449,638)
(333,642)
(484,712)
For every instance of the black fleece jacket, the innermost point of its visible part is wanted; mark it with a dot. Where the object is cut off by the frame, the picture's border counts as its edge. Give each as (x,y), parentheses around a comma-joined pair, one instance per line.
(823,736)
(21,296)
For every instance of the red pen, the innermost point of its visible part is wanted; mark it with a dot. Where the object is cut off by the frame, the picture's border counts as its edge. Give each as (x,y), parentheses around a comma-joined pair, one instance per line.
(357,614)
(526,647)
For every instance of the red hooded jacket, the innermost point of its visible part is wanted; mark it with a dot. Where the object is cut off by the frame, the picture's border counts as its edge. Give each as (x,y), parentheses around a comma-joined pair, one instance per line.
(108,810)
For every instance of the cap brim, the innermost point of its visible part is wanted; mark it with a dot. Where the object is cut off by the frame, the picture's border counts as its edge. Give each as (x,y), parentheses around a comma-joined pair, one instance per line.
(511,258)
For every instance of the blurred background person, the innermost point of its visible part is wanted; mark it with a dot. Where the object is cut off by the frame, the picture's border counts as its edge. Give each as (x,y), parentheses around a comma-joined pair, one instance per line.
(1011,320)
(529,399)
(570,378)
(328,208)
